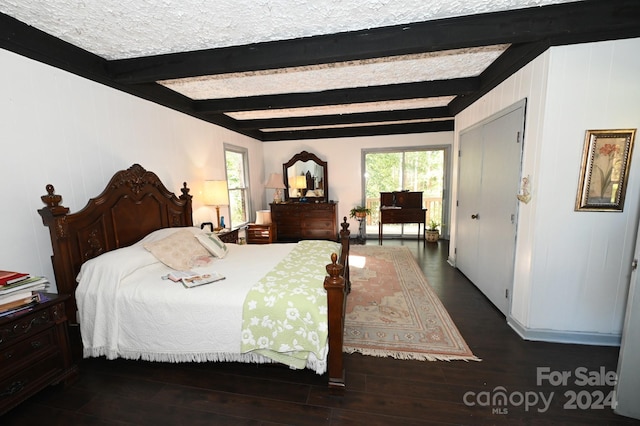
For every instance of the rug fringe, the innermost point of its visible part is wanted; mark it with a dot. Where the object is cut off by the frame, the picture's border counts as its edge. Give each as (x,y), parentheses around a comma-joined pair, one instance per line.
(416,356)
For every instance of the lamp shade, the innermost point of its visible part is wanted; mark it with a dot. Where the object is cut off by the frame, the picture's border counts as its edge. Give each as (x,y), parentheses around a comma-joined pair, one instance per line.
(275,181)
(263,217)
(301,182)
(216,193)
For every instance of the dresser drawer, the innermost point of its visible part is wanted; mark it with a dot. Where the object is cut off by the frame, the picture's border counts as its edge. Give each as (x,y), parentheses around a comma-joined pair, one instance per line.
(21,353)
(319,234)
(27,325)
(402,215)
(28,381)
(320,224)
(318,214)
(320,207)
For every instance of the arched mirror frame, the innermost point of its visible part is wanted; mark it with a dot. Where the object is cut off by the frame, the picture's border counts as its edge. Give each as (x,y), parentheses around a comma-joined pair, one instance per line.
(303,157)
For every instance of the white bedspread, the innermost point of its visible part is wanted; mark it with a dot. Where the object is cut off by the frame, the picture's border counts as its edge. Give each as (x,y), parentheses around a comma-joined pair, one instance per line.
(127,310)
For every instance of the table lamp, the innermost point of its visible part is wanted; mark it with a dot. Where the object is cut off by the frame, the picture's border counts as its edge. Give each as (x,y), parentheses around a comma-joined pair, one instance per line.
(301,185)
(275,182)
(216,194)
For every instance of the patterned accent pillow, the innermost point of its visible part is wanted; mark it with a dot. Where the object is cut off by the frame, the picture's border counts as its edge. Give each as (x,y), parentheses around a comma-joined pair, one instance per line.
(213,244)
(179,251)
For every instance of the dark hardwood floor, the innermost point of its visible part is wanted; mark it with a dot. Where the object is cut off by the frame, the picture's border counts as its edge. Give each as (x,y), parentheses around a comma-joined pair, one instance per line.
(380,391)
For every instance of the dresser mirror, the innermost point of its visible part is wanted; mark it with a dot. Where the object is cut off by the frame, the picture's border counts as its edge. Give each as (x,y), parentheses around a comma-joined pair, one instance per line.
(306,178)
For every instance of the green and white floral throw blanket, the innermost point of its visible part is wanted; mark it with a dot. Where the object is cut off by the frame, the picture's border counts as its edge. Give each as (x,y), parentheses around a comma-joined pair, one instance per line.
(285,314)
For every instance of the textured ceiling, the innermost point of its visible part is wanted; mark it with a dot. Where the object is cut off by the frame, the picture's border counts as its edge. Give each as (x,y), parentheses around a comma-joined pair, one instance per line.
(117,29)
(301,69)
(371,72)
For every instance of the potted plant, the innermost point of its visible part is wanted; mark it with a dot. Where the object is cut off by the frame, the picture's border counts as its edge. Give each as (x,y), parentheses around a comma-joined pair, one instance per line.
(359,212)
(432,234)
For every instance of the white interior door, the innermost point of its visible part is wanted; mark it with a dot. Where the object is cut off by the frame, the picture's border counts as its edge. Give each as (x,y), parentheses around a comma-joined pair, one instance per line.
(470,176)
(487,205)
(628,385)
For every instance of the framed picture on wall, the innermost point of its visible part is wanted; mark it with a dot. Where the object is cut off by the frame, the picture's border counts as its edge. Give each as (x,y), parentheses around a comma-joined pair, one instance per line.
(606,158)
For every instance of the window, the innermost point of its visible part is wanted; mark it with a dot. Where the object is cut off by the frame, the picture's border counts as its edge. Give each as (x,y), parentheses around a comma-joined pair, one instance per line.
(414,169)
(237,166)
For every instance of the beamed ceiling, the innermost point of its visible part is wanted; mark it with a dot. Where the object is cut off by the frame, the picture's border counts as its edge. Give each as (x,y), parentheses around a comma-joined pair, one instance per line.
(281,70)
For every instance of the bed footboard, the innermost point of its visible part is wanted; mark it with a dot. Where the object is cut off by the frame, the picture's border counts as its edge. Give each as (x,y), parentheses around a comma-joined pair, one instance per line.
(337,285)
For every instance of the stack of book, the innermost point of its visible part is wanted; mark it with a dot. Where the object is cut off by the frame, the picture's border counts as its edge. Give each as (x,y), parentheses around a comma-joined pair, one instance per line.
(19,290)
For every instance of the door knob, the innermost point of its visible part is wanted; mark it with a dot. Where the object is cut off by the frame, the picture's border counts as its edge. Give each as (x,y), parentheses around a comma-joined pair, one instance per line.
(475,216)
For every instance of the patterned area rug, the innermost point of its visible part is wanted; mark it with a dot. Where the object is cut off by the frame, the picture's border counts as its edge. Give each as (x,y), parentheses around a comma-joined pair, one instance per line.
(393,312)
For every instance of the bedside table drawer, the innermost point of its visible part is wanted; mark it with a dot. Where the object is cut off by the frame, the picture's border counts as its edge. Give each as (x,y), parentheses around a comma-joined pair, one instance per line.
(25,326)
(26,382)
(260,234)
(34,350)
(21,352)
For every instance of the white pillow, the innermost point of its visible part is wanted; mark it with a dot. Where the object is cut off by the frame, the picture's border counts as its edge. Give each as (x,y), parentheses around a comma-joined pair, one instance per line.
(179,251)
(213,244)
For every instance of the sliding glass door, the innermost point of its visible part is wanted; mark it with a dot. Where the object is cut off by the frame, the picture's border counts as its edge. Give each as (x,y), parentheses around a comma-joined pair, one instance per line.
(415,169)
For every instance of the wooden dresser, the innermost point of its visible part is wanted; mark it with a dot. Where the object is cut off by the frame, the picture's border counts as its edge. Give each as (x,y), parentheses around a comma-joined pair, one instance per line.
(34,351)
(305,221)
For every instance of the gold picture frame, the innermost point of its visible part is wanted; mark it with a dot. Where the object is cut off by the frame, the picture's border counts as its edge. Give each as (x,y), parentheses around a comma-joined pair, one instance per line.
(605,167)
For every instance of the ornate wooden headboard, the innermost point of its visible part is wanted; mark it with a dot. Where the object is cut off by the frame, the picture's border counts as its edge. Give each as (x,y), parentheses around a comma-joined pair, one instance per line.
(134,203)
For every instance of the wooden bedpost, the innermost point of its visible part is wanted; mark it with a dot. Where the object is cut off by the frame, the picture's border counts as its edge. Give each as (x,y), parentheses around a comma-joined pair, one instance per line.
(336,297)
(344,256)
(54,216)
(186,197)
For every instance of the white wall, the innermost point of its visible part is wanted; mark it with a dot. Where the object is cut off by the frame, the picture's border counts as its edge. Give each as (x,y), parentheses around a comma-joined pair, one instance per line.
(571,268)
(61,129)
(582,260)
(343,157)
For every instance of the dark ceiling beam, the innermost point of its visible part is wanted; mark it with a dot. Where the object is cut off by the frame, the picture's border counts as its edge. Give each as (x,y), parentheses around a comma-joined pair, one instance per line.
(32,43)
(337,119)
(568,21)
(389,92)
(345,132)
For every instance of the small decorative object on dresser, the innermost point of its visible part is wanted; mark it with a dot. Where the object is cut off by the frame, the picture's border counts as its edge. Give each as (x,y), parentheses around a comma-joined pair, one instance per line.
(35,350)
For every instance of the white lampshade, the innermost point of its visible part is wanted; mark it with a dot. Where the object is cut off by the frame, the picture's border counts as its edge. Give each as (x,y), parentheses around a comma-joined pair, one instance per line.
(263,217)
(275,181)
(215,193)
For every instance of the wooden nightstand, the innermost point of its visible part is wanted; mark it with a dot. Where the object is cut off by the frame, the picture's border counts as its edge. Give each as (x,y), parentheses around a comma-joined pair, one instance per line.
(261,234)
(228,235)
(34,351)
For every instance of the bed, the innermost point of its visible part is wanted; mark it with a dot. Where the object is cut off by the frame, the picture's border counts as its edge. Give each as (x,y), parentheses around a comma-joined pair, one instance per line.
(111,237)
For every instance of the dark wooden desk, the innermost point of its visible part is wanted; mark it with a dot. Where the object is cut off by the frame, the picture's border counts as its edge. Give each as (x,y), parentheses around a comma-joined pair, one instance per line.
(402,207)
